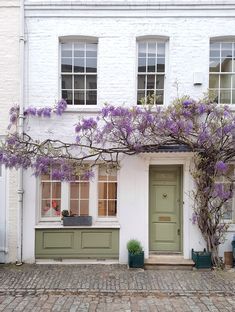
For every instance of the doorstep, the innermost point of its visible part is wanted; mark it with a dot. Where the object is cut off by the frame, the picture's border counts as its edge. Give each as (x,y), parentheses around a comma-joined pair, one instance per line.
(168,262)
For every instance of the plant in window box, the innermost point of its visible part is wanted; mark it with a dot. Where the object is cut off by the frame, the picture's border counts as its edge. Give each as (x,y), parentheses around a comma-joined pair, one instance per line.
(135,254)
(71,220)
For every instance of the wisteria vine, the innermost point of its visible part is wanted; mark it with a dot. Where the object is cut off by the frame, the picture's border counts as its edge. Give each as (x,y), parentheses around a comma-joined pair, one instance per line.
(204,128)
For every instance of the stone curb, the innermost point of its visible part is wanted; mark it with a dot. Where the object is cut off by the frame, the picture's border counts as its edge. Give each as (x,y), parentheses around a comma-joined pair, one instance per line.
(157,293)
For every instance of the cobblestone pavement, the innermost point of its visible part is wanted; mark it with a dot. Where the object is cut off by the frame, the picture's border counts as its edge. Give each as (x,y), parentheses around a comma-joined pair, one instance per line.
(114,303)
(113,288)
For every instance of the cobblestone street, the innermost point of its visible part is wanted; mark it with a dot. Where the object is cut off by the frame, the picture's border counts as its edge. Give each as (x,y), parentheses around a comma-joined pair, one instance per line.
(113,288)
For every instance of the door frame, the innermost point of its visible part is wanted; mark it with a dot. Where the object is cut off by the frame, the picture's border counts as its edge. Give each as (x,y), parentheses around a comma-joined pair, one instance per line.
(181,176)
(186,160)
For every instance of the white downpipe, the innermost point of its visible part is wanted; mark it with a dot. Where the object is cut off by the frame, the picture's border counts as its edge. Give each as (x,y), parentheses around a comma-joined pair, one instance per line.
(21,130)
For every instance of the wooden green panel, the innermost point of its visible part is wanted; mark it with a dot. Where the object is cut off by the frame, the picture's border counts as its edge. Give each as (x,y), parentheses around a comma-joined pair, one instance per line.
(77,243)
(165,208)
(58,240)
(96,240)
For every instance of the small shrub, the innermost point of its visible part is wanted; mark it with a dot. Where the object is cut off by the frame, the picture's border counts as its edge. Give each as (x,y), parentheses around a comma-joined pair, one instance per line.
(134,247)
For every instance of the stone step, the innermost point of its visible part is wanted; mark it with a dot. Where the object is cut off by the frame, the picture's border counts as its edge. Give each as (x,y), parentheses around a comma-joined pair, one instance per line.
(172,262)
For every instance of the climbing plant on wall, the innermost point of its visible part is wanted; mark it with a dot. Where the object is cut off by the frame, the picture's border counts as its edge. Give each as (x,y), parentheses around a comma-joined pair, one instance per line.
(205,128)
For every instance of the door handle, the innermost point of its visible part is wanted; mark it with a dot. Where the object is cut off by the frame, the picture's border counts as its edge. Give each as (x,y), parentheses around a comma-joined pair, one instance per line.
(178,231)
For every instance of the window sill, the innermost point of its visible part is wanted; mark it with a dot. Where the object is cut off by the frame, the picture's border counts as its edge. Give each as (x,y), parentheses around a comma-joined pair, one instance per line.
(58,225)
(83,109)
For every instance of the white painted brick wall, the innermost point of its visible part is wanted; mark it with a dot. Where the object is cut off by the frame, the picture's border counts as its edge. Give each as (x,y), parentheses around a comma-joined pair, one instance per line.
(189,34)
(9,95)
(188,52)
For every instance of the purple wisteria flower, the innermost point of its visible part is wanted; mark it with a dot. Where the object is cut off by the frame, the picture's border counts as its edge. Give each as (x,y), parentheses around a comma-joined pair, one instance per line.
(221,166)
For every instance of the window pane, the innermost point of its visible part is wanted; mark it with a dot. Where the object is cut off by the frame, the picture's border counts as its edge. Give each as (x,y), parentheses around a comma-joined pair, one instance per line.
(215,46)
(213,81)
(150,81)
(91,50)
(74,190)
(215,53)
(45,177)
(66,65)
(66,82)
(225,81)
(84,190)
(91,82)
(142,65)
(84,208)
(68,96)
(225,97)
(142,49)
(102,190)
(112,208)
(56,189)
(159,97)
(79,49)
(152,50)
(161,49)
(214,95)
(79,65)
(214,65)
(66,49)
(159,82)
(79,98)
(112,175)
(45,208)
(141,81)
(102,208)
(112,190)
(233,81)
(233,95)
(226,65)
(91,65)
(79,82)
(91,97)
(46,190)
(151,64)
(140,97)
(74,210)
(161,65)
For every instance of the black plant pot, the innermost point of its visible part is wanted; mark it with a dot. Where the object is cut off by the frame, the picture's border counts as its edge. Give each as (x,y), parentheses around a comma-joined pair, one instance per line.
(79,220)
(136,261)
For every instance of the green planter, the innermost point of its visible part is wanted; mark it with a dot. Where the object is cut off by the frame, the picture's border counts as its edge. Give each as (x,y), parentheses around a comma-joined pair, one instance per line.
(202,259)
(136,260)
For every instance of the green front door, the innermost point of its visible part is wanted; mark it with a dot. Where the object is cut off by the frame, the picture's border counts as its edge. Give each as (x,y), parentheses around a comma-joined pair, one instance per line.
(165,208)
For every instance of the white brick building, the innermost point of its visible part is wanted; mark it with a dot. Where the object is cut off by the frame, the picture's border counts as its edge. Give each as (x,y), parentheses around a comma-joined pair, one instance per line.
(9,95)
(58,34)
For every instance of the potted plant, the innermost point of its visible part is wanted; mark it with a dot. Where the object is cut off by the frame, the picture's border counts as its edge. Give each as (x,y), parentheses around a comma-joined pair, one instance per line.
(71,220)
(202,259)
(135,254)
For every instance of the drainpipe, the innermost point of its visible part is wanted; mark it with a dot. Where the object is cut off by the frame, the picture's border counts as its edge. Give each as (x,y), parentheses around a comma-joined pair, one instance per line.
(20,131)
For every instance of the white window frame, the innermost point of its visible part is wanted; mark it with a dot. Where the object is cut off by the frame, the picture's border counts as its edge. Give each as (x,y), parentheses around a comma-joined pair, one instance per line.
(157,40)
(224,182)
(107,217)
(79,199)
(73,40)
(220,73)
(41,218)
(93,200)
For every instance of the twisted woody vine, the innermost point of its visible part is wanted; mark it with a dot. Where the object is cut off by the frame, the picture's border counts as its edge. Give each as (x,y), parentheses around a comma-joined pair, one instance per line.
(206,128)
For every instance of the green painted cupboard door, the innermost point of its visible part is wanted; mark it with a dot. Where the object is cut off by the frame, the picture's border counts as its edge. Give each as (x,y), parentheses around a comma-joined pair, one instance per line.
(165,202)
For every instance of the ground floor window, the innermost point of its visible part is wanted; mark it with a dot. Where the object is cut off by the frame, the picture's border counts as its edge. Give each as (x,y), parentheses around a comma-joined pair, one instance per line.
(50,197)
(229,206)
(107,192)
(78,197)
